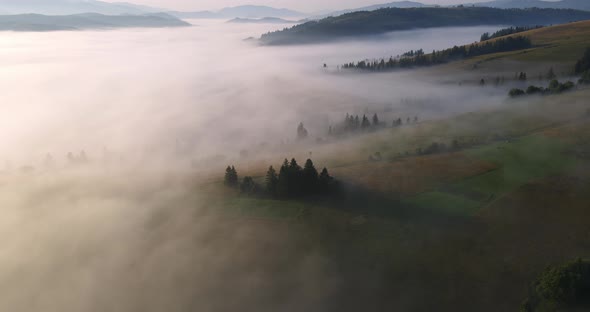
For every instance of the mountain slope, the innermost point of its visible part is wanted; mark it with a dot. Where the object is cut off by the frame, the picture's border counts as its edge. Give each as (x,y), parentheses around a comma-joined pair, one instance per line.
(68,7)
(37,22)
(393,19)
(520,4)
(396,4)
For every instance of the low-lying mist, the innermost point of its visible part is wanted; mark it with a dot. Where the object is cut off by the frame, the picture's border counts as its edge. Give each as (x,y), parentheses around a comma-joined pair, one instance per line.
(134,239)
(140,92)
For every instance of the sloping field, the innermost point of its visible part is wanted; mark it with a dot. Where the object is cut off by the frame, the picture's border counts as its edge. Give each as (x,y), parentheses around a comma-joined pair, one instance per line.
(518,162)
(558,46)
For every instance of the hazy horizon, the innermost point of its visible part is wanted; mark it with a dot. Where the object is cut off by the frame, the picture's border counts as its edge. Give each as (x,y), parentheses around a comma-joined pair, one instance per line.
(305,6)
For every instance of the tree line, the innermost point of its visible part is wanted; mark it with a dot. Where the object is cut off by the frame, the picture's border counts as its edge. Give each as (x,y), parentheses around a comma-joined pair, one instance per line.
(555,87)
(291,181)
(443,56)
(354,124)
(507,31)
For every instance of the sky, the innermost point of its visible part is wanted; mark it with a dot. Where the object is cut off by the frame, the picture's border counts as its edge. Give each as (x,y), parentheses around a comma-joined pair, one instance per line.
(307,6)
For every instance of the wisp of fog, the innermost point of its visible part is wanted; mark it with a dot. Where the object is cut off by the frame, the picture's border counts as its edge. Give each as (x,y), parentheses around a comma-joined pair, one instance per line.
(183,101)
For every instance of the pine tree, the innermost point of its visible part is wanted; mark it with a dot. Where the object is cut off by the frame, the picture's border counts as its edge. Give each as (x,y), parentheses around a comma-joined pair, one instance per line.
(365,124)
(248,185)
(310,178)
(301,132)
(325,181)
(272,181)
(375,120)
(283,183)
(231,177)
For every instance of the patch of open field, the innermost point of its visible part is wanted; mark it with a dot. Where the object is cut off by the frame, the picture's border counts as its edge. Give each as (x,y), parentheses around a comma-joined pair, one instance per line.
(414,174)
(518,162)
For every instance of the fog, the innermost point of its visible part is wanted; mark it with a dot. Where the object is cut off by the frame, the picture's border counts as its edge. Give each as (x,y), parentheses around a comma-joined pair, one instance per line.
(185,101)
(137,90)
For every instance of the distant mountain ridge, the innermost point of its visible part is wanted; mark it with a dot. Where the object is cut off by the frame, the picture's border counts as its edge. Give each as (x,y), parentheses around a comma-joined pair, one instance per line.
(69,7)
(38,22)
(502,4)
(521,4)
(244,11)
(264,20)
(396,4)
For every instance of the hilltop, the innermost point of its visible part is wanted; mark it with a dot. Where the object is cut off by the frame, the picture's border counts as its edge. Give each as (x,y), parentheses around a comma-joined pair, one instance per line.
(394,19)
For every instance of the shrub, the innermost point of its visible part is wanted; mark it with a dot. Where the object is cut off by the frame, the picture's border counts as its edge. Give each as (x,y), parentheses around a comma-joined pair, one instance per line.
(563,286)
(516,92)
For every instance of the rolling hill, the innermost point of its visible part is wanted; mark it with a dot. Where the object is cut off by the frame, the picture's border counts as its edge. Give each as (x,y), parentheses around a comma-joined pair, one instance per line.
(521,4)
(393,19)
(397,4)
(69,7)
(37,22)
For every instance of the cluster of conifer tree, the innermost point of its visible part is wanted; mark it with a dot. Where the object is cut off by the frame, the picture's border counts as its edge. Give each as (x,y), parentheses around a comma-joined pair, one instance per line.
(354,124)
(555,87)
(291,181)
(231,177)
(507,31)
(443,56)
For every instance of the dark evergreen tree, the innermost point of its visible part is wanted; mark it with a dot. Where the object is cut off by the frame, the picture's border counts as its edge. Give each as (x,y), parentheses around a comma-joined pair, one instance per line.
(485,37)
(326,182)
(365,123)
(301,132)
(516,92)
(248,185)
(283,184)
(231,177)
(584,63)
(272,181)
(585,79)
(375,120)
(309,178)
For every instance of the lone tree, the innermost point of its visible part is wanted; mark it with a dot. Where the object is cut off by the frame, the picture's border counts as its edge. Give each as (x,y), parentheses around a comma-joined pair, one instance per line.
(301,132)
(231,177)
(272,181)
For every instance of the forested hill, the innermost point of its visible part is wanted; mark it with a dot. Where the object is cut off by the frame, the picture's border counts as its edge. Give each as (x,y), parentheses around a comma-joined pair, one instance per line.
(392,19)
(38,22)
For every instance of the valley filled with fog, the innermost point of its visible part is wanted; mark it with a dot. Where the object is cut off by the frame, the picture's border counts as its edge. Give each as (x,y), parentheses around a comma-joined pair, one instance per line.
(143,91)
(115,235)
